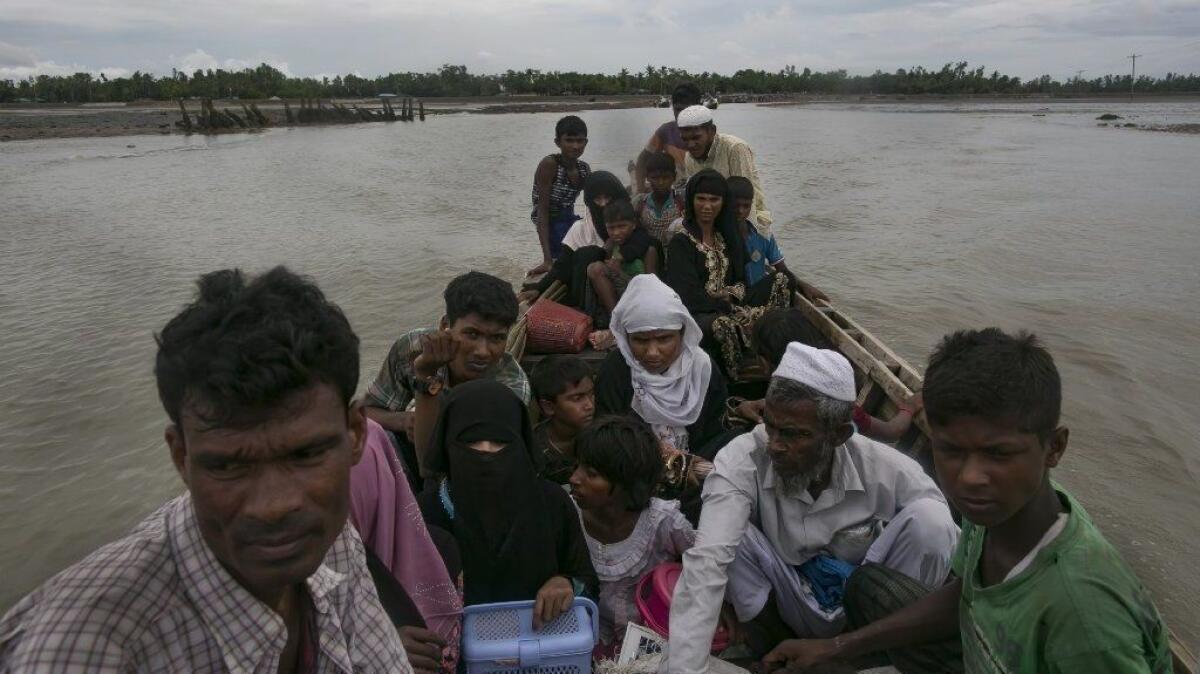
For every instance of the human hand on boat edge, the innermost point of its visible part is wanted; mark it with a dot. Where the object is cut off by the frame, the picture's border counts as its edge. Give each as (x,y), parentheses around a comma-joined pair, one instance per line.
(423,647)
(800,654)
(813,293)
(541,268)
(437,350)
(553,600)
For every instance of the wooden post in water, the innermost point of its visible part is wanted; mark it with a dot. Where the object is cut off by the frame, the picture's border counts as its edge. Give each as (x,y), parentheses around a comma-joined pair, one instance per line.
(187,121)
(422,104)
(237,120)
(287,111)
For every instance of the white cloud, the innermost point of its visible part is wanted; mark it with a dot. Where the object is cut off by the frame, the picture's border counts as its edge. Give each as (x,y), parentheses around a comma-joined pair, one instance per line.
(1021,37)
(54,69)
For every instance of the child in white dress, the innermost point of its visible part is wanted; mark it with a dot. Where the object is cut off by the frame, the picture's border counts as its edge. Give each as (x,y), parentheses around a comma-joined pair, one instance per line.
(628,531)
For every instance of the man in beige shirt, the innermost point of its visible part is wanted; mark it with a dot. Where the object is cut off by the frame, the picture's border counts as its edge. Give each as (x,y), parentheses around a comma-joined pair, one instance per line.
(727,154)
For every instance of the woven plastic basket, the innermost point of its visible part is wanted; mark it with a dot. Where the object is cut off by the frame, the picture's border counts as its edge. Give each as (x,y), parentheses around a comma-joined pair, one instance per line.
(499,638)
(555,328)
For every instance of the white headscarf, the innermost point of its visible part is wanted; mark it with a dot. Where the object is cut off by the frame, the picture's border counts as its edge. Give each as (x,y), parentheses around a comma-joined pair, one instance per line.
(675,397)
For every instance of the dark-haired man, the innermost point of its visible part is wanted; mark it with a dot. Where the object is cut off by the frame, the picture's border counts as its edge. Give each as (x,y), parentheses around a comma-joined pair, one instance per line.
(724,153)
(469,343)
(565,391)
(1036,587)
(666,138)
(798,506)
(255,568)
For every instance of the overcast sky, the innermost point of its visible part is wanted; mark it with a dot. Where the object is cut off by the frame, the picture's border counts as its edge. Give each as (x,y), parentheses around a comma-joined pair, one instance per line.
(371,37)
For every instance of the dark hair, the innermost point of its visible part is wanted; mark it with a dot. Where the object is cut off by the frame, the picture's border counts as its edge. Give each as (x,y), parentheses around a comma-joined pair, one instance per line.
(554,374)
(994,375)
(660,162)
(570,126)
(474,292)
(685,94)
(740,187)
(709,181)
(625,451)
(779,327)
(241,348)
(620,210)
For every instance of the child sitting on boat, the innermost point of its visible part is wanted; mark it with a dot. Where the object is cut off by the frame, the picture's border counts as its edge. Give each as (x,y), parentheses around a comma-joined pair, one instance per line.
(628,531)
(662,207)
(565,395)
(628,251)
(763,256)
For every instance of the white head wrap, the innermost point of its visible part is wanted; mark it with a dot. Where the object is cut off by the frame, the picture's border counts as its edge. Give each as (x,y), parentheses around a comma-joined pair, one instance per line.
(675,397)
(696,115)
(824,371)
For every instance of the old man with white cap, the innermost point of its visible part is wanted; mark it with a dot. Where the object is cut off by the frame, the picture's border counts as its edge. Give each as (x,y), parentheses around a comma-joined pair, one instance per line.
(726,154)
(795,508)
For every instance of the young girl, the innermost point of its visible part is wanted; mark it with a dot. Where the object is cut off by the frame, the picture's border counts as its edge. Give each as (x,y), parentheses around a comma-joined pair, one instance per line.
(629,251)
(628,532)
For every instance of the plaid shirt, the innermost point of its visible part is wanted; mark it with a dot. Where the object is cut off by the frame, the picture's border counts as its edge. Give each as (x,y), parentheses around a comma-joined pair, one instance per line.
(159,601)
(393,387)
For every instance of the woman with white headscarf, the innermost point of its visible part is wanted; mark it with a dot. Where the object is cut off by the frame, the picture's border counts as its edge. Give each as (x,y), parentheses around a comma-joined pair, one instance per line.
(660,372)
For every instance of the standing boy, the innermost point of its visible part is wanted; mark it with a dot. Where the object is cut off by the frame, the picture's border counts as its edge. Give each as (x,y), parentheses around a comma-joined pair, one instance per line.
(566,400)
(666,139)
(659,208)
(557,182)
(1037,587)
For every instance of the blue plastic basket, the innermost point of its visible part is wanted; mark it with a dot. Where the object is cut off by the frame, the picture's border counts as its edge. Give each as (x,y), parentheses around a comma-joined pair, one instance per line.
(499,638)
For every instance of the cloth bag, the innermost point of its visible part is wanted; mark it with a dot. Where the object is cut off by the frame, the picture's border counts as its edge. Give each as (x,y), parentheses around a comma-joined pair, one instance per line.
(555,328)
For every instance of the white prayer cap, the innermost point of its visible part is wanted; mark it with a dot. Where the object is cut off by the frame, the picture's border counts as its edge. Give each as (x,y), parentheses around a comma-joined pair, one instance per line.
(696,115)
(823,370)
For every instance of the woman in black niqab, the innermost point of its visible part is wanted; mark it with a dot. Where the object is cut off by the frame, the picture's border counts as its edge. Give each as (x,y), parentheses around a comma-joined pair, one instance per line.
(515,532)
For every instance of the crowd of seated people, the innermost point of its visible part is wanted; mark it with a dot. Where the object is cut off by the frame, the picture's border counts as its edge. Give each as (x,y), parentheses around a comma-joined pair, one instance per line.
(320,532)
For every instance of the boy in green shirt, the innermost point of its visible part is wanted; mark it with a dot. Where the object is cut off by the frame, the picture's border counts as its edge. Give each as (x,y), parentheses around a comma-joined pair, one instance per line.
(1038,589)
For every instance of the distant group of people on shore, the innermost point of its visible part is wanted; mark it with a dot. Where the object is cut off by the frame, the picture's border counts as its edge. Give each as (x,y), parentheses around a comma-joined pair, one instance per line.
(325,532)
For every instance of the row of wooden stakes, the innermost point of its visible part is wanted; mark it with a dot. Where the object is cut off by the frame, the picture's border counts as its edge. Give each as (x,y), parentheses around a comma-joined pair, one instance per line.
(310,111)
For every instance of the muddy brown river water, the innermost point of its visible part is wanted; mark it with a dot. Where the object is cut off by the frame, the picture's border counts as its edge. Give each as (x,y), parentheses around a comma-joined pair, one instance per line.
(918,219)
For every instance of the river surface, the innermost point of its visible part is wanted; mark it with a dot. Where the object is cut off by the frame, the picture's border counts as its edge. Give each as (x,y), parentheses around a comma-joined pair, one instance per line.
(917,219)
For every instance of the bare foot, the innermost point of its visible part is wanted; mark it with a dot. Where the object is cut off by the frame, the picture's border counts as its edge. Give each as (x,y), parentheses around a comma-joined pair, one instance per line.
(602,340)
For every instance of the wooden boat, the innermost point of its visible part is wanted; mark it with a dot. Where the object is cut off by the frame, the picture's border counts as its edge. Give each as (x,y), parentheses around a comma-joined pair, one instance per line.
(886,381)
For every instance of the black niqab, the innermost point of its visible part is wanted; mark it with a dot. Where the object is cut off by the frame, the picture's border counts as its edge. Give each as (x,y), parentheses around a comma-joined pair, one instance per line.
(597,183)
(508,551)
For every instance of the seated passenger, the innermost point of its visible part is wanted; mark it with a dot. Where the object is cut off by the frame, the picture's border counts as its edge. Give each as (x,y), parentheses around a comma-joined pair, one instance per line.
(660,372)
(1037,588)
(556,184)
(469,343)
(628,531)
(772,333)
(795,507)
(416,568)
(763,255)
(706,265)
(629,251)
(662,206)
(584,242)
(565,393)
(255,568)
(518,536)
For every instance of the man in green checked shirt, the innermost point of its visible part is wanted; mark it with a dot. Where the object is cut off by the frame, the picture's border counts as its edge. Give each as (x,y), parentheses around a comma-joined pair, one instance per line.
(467,344)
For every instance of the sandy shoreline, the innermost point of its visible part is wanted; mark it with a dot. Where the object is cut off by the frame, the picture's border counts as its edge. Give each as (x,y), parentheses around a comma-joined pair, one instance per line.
(41,121)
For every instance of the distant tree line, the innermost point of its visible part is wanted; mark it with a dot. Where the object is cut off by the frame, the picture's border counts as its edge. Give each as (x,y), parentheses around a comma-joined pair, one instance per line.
(454,80)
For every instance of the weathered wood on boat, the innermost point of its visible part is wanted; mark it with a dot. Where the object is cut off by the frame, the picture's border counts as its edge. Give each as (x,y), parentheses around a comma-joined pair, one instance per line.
(887,381)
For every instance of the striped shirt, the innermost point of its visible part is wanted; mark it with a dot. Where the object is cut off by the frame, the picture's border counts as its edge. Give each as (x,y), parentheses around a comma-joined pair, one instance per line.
(563,192)
(393,388)
(159,601)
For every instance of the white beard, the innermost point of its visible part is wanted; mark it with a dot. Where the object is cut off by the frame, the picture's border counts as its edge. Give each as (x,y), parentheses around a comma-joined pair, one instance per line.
(795,485)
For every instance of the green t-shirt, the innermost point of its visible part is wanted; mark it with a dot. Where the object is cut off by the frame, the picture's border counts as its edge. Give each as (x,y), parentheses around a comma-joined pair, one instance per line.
(1077,608)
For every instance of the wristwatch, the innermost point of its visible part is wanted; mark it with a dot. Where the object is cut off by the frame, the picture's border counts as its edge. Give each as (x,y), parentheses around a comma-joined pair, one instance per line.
(429,386)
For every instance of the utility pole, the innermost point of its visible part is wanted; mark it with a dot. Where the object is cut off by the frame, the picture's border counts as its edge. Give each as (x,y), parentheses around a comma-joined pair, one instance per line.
(1078,79)
(1133,73)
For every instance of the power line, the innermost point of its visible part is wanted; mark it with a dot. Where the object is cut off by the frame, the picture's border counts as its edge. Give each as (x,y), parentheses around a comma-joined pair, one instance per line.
(1133,73)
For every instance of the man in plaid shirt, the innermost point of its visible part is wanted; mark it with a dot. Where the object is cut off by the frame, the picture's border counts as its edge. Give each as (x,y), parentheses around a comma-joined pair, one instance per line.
(255,569)
(468,344)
